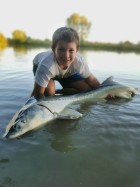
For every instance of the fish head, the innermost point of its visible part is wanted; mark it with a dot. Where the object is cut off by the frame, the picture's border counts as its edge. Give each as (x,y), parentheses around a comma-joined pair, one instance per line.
(25,122)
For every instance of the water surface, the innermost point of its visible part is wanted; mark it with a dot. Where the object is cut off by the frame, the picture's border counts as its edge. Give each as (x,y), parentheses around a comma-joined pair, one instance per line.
(101,149)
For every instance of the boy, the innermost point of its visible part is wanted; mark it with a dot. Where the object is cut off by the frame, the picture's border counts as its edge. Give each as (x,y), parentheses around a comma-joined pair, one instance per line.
(64,64)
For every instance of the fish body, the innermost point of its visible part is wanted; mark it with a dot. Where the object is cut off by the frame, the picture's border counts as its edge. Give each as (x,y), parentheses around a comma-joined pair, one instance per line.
(38,112)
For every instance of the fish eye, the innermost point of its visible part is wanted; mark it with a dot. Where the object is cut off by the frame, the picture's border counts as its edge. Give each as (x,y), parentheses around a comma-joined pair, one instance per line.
(14,126)
(22,120)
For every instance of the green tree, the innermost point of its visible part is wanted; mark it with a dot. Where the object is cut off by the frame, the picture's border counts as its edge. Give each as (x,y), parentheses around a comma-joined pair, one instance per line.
(19,36)
(80,24)
(3,41)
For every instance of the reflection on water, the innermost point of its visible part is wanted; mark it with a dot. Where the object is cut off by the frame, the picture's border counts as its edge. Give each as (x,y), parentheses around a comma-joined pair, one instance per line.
(103,144)
(20,50)
(61,135)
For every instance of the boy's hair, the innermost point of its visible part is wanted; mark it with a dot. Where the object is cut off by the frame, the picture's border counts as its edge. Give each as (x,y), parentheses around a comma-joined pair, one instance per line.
(65,34)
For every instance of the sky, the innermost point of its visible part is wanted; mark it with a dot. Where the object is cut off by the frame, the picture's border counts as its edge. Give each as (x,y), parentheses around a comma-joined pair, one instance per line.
(112,20)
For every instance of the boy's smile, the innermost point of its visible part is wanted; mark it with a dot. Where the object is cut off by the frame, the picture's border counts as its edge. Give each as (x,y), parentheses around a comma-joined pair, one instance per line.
(65,53)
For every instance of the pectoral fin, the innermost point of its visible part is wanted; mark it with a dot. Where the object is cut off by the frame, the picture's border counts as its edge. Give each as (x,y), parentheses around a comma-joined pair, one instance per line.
(69,114)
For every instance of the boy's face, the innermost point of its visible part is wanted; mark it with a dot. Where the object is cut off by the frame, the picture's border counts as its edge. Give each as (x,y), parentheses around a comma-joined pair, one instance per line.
(65,53)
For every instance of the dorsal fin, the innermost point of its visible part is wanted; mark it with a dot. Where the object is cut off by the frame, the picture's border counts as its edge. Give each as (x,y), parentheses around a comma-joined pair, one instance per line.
(107,81)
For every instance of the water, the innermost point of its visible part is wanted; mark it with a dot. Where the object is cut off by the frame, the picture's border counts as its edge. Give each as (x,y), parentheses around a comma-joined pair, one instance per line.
(102,149)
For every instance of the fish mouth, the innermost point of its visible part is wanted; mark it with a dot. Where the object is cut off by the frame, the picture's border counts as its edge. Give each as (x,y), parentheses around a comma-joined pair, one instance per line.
(10,133)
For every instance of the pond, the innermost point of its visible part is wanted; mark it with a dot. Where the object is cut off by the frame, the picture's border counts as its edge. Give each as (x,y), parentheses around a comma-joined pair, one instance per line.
(101,149)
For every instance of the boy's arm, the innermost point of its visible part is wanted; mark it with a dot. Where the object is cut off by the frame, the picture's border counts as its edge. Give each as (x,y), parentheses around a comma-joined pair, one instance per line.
(92,81)
(38,91)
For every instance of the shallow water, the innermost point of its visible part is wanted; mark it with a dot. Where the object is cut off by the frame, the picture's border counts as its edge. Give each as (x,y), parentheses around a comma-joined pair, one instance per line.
(101,149)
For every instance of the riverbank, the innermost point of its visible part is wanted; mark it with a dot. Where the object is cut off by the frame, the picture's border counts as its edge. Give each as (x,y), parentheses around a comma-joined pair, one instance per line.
(117,47)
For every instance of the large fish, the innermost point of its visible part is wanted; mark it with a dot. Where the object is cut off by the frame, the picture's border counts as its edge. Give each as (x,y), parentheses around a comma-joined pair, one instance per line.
(36,113)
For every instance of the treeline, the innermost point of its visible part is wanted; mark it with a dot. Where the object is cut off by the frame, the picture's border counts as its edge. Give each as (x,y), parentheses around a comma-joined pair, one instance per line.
(126,46)
(19,38)
(30,42)
(82,25)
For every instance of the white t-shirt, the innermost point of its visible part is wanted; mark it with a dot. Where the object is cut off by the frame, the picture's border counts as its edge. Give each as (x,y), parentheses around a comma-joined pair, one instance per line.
(48,68)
